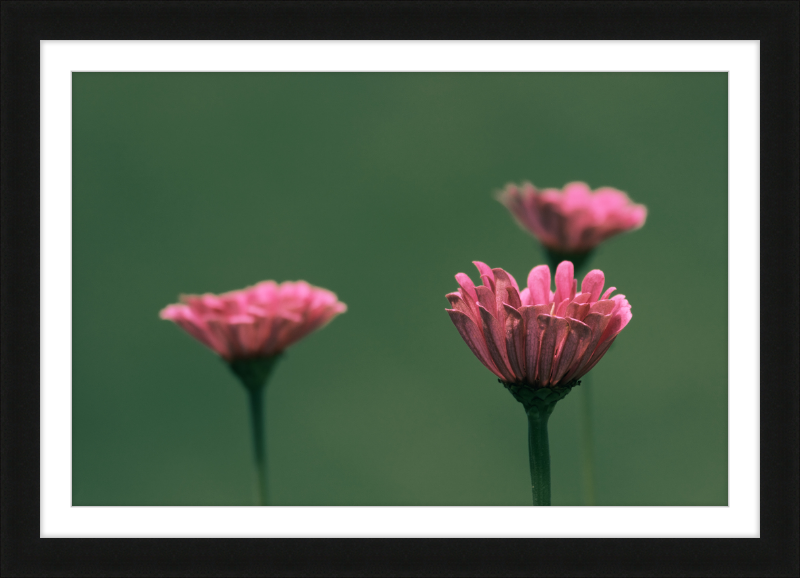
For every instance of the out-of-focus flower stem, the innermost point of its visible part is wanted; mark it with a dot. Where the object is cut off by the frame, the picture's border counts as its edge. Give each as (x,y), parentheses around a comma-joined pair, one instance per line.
(581,263)
(580,260)
(539,453)
(587,445)
(255,396)
(254,374)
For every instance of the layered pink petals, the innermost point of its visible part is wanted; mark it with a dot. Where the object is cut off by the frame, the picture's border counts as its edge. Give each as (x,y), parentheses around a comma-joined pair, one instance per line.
(537,336)
(259,321)
(575,220)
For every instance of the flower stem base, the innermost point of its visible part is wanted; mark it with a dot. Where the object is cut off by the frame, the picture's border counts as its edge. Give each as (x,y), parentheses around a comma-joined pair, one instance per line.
(579,260)
(539,403)
(254,373)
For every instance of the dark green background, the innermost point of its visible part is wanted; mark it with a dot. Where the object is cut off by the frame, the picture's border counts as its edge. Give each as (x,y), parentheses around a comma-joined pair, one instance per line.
(379,187)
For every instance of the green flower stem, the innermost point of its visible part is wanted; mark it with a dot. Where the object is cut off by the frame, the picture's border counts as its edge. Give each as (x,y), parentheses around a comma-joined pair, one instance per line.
(581,263)
(255,396)
(579,260)
(254,373)
(539,454)
(539,404)
(587,443)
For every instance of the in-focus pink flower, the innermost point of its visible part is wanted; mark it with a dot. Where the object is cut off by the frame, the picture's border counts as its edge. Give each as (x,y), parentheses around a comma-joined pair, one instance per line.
(536,336)
(256,322)
(573,221)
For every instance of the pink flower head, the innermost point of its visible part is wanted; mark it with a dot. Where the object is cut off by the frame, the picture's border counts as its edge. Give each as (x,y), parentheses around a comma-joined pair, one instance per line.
(255,322)
(573,221)
(535,336)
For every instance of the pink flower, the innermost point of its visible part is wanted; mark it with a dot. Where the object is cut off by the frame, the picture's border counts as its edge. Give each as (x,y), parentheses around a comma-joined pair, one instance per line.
(576,220)
(535,336)
(256,322)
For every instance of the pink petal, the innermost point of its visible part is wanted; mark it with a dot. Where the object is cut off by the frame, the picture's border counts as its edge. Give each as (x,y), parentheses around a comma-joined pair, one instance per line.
(532,341)
(244,338)
(539,284)
(468,294)
(636,217)
(484,269)
(459,304)
(598,355)
(582,298)
(261,329)
(560,227)
(577,310)
(586,343)
(515,342)
(544,309)
(502,284)
(562,308)
(619,302)
(534,218)
(239,318)
(203,335)
(582,333)
(564,357)
(494,334)
(603,307)
(275,342)
(608,292)
(617,324)
(597,323)
(467,286)
(265,291)
(173,312)
(593,284)
(487,299)
(222,337)
(553,330)
(576,195)
(473,337)
(565,273)
(513,298)
(525,297)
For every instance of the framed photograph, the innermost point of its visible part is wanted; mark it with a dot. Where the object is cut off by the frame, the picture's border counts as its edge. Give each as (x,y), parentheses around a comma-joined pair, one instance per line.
(287,210)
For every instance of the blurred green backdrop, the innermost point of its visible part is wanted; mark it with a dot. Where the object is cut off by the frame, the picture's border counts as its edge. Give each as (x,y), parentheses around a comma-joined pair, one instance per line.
(379,187)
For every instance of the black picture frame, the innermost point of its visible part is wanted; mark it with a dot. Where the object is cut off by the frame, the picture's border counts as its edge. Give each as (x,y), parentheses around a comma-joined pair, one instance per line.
(774,24)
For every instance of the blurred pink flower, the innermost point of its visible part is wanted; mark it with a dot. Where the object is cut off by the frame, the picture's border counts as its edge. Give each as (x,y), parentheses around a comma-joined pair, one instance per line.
(535,336)
(573,221)
(256,322)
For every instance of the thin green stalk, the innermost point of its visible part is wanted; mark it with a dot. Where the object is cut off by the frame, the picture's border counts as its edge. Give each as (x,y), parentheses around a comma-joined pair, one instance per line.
(539,404)
(255,397)
(254,374)
(539,453)
(587,442)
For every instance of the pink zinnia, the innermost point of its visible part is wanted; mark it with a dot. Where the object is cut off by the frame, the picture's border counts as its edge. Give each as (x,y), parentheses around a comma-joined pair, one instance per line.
(573,221)
(256,322)
(535,336)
